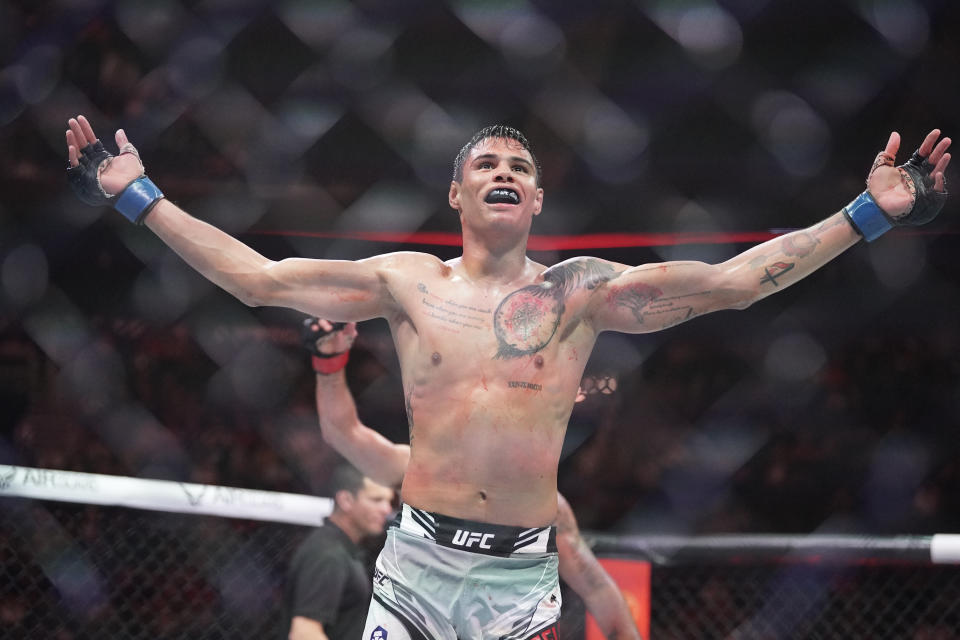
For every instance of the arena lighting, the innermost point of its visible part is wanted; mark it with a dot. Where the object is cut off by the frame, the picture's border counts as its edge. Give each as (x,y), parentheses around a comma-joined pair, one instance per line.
(558,242)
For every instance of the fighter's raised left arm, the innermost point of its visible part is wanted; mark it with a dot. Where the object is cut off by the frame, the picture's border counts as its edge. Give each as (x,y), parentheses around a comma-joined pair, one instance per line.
(655,296)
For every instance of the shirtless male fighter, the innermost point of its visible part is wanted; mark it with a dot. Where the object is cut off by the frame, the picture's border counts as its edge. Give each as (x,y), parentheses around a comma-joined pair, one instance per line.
(492,346)
(385,462)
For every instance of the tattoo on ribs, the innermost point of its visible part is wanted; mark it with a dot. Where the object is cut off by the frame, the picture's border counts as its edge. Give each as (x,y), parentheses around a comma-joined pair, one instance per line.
(774,271)
(527,319)
(409,404)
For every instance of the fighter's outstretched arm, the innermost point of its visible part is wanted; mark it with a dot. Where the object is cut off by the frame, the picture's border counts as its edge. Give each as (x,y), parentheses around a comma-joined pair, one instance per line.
(375,456)
(651,297)
(580,569)
(338,289)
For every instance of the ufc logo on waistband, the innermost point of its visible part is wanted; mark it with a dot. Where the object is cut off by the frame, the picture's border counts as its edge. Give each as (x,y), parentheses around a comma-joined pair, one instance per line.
(468,538)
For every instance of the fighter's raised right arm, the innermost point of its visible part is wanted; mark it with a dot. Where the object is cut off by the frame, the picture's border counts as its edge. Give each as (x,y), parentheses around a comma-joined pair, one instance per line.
(335,289)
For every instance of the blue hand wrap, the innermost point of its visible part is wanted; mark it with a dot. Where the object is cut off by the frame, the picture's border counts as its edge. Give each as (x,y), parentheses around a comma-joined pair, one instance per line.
(867,218)
(136,201)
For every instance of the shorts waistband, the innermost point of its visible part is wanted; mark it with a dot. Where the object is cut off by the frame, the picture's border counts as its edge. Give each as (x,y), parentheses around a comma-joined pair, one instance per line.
(479,537)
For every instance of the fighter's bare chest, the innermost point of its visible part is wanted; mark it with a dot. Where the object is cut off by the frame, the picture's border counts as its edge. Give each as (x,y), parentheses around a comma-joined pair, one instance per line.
(507,324)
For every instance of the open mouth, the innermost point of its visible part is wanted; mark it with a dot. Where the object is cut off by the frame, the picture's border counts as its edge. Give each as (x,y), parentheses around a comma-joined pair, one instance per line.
(502,195)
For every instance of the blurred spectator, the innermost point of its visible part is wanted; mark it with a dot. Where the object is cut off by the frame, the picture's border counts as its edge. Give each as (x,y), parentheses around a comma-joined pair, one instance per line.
(328,587)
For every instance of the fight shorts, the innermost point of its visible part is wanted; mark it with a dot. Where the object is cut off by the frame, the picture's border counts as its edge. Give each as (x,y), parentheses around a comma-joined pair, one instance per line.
(443,578)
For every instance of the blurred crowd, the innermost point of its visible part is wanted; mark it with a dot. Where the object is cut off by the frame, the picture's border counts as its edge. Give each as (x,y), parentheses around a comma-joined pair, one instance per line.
(832,409)
(704,441)
(700,437)
(116,358)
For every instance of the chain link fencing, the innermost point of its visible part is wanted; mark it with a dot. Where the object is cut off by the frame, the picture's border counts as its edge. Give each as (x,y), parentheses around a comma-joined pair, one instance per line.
(91,572)
(82,571)
(867,601)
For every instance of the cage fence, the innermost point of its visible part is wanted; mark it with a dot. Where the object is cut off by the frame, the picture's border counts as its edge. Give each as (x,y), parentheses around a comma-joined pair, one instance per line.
(79,561)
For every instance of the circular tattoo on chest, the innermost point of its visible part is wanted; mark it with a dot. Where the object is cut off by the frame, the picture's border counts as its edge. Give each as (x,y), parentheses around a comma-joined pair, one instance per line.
(526,320)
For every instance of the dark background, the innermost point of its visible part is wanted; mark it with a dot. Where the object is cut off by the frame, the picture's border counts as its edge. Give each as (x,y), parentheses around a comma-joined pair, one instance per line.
(298,126)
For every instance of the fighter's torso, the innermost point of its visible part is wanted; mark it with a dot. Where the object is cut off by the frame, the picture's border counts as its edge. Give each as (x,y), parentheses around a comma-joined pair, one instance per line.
(490,373)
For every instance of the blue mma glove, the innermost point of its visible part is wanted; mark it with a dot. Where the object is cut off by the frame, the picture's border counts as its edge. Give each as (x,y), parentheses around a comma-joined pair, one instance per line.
(870,221)
(135,201)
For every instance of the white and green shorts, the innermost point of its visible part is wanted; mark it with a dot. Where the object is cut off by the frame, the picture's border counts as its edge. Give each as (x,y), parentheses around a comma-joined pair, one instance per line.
(443,578)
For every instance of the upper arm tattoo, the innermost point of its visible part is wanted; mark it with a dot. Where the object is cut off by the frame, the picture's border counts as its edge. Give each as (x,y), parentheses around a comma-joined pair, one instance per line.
(527,319)
(588,273)
(645,301)
(634,297)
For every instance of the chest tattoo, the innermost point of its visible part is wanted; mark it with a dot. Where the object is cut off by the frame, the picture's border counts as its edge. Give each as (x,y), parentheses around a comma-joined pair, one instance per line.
(454,315)
(527,319)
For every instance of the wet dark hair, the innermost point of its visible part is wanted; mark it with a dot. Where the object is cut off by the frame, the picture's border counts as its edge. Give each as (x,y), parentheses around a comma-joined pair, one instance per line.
(494,131)
(345,477)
